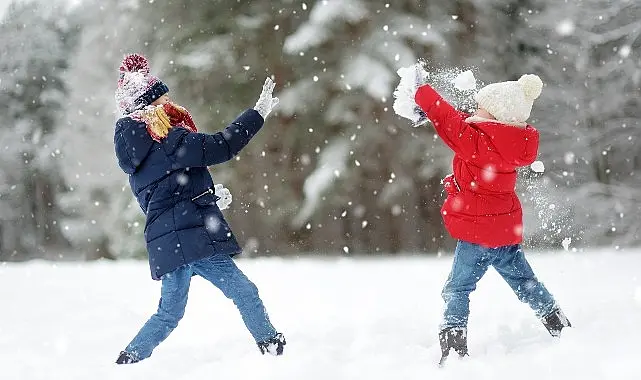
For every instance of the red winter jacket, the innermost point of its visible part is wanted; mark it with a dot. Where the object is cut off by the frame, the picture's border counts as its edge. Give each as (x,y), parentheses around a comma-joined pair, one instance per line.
(482,206)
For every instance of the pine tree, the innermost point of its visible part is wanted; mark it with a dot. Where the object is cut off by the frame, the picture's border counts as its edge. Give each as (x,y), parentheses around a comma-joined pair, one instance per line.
(37,43)
(102,218)
(589,115)
(386,195)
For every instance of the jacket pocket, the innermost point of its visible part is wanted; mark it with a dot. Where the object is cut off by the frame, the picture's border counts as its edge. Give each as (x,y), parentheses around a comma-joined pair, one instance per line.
(212,218)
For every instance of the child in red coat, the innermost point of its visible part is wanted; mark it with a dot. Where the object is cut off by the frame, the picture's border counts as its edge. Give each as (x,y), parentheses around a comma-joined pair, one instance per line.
(482,209)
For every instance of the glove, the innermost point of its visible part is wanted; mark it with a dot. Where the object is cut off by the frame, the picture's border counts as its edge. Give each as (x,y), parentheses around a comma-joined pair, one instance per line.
(224,196)
(422,117)
(420,78)
(412,77)
(266,102)
(420,75)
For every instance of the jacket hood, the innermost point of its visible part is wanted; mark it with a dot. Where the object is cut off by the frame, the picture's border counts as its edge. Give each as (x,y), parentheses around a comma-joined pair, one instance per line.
(516,144)
(132,144)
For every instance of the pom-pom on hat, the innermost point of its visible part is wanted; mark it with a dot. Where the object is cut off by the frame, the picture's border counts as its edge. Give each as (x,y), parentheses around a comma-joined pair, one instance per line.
(137,88)
(510,102)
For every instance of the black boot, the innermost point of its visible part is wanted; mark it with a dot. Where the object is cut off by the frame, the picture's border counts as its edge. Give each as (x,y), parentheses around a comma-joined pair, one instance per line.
(273,346)
(453,338)
(126,358)
(555,322)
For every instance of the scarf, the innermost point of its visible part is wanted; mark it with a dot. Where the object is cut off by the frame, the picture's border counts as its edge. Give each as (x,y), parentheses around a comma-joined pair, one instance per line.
(161,118)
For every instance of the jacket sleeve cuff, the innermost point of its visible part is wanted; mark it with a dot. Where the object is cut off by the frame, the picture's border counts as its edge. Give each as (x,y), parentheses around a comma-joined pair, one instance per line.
(426,97)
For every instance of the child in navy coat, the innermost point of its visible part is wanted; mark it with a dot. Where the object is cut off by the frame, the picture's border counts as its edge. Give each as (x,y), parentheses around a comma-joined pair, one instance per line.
(158,146)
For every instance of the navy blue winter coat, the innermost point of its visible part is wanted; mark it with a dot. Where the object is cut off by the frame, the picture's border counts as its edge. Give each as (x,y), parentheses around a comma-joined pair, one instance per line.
(165,177)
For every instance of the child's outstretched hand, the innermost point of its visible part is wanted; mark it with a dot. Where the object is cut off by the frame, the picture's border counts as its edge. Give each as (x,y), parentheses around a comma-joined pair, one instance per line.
(412,77)
(420,75)
(224,196)
(266,102)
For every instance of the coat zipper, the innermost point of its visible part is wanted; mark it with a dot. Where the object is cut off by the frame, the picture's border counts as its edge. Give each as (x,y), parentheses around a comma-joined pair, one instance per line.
(208,191)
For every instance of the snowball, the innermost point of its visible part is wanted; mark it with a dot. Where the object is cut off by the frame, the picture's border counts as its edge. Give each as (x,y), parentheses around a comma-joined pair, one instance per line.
(518,230)
(465,81)
(489,173)
(569,158)
(182,179)
(624,51)
(537,166)
(565,27)
(213,224)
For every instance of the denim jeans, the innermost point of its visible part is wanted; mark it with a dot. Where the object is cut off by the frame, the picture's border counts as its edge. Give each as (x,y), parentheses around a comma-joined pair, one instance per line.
(471,261)
(221,271)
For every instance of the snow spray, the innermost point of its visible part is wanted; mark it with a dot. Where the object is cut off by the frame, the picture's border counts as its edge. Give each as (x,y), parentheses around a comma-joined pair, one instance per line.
(456,85)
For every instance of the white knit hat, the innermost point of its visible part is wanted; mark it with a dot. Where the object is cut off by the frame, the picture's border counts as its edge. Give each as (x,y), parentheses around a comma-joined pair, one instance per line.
(510,102)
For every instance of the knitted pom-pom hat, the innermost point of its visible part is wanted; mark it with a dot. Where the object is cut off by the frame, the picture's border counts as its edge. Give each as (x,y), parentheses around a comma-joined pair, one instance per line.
(510,102)
(137,88)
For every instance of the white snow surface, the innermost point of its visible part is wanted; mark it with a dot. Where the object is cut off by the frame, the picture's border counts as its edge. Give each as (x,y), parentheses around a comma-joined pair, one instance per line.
(344,318)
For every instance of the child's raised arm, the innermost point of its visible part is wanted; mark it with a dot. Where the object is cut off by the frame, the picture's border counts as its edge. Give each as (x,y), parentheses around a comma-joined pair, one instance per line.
(449,123)
(191,149)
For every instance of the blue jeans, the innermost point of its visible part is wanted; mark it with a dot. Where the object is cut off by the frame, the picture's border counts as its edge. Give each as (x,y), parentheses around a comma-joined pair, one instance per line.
(470,264)
(221,271)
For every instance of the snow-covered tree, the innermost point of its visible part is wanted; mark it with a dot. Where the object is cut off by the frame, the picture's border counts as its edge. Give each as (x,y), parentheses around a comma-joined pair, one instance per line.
(387,196)
(102,217)
(36,46)
(334,169)
(589,112)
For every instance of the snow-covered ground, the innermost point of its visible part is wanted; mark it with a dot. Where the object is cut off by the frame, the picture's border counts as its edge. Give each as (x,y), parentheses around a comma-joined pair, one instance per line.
(343,319)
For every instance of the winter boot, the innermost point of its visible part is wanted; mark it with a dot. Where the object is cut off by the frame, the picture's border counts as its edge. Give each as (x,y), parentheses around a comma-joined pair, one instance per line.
(453,338)
(126,358)
(273,346)
(555,322)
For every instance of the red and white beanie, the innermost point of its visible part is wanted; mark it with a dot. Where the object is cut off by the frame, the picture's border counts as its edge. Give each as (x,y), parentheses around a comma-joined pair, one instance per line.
(137,88)
(510,102)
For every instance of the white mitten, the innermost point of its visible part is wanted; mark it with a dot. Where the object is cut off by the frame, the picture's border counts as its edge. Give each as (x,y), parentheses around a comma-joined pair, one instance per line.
(266,102)
(224,196)
(412,77)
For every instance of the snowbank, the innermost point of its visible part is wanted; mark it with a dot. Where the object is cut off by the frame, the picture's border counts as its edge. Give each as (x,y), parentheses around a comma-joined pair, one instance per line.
(343,318)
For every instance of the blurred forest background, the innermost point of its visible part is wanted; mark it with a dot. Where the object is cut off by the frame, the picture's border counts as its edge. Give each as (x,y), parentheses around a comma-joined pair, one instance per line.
(334,171)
